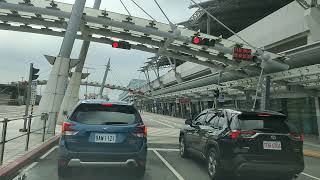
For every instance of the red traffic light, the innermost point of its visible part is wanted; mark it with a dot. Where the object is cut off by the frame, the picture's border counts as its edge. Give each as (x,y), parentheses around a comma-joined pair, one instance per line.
(121,44)
(196,40)
(203,41)
(115,44)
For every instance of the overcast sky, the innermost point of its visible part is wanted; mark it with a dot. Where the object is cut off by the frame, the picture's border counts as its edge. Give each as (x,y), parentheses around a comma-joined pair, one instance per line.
(18,49)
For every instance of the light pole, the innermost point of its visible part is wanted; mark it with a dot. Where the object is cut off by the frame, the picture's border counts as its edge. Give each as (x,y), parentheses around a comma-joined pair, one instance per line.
(104,80)
(87,80)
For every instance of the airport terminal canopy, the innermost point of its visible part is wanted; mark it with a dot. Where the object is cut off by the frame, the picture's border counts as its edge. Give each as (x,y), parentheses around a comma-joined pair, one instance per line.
(236,14)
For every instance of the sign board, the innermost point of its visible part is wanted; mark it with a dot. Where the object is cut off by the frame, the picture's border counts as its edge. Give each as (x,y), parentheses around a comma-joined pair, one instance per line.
(242,54)
(33,92)
(184,101)
(221,98)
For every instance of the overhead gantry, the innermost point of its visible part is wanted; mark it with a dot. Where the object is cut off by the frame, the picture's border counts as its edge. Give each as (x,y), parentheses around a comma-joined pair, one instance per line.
(92,25)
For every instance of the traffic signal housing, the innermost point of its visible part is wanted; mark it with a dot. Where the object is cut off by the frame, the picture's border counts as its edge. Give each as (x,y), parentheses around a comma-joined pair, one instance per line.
(216,93)
(121,44)
(203,41)
(34,74)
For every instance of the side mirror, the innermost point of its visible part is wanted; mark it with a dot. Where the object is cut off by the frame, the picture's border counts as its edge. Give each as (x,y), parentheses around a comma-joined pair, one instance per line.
(188,122)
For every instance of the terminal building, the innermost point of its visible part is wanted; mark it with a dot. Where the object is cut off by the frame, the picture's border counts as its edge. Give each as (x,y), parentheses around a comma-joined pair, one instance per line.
(289,28)
(133,84)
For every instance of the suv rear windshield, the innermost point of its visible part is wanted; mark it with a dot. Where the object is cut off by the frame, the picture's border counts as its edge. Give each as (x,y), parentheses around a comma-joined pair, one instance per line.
(98,114)
(271,124)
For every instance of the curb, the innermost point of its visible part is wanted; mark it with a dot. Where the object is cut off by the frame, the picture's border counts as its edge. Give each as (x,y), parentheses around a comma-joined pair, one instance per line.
(9,171)
(310,153)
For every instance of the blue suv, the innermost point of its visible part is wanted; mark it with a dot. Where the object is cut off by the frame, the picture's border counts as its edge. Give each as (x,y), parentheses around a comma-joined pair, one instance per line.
(101,133)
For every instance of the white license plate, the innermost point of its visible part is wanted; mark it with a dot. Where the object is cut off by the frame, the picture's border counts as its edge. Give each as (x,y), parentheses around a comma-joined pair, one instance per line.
(272,145)
(104,138)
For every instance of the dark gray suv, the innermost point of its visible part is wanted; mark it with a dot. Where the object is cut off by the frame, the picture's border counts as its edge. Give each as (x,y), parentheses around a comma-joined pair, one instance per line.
(244,143)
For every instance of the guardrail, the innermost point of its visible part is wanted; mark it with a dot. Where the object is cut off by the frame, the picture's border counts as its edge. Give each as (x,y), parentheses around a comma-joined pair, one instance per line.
(5,121)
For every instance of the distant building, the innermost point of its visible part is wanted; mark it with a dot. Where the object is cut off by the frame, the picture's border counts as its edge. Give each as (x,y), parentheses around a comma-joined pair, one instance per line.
(133,84)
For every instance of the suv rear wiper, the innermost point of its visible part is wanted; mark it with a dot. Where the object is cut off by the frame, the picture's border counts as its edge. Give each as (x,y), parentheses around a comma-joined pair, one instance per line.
(107,123)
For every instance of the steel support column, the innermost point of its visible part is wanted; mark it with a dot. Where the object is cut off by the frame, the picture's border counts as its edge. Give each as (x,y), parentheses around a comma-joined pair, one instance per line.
(208,24)
(312,16)
(104,80)
(265,99)
(317,106)
(71,96)
(96,4)
(56,86)
(236,103)
(182,110)
(190,106)
(175,109)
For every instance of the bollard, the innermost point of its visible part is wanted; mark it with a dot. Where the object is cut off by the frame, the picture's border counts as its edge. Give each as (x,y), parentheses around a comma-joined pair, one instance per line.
(28,133)
(3,138)
(44,117)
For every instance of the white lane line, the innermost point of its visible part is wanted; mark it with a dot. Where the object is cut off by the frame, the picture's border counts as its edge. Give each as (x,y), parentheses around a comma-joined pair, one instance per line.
(30,166)
(169,166)
(22,174)
(310,176)
(47,153)
(162,123)
(163,149)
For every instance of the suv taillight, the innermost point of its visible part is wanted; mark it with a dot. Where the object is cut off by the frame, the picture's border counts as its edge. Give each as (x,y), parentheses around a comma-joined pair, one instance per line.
(297,136)
(67,129)
(234,134)
(141,132)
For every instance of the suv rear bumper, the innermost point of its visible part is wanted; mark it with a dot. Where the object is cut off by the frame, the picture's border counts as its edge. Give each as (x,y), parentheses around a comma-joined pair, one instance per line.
(102,159)
(267,167)
(79,163)
(240,165)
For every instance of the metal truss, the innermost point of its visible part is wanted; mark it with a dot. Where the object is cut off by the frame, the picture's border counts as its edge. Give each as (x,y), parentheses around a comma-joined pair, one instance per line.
(303,4)
(306,77)
(97,84)
(50,18)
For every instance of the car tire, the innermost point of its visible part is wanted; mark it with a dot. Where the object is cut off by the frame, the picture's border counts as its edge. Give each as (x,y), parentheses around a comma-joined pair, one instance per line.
(64,172)
(139,172)
(214,169)
(183,149)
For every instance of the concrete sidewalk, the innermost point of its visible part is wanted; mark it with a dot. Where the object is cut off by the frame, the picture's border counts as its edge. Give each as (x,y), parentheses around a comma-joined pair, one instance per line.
(16,148)
(311,145)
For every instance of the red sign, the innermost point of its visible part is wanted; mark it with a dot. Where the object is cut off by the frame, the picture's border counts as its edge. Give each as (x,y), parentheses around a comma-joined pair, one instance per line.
(184,101)
(242,54)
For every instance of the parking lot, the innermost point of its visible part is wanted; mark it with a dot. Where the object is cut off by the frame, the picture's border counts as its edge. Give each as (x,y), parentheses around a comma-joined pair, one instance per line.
(163,162)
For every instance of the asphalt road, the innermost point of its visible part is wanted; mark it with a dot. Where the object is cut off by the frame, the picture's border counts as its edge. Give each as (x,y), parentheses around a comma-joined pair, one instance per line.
(163,162)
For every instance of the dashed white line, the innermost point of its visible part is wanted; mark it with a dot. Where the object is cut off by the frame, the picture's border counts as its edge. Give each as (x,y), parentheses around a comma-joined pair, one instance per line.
(22,174)
(161,123)
(49,152)
(30,166)
(168,166)
(310,176)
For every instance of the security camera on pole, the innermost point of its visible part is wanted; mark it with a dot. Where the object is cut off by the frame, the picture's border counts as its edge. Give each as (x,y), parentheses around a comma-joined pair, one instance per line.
(31,94)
